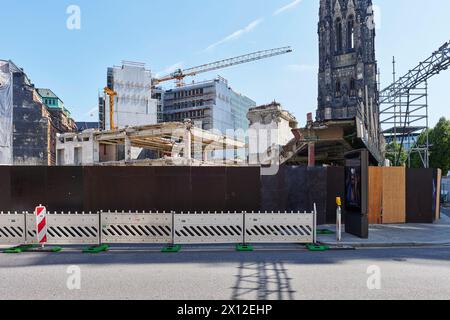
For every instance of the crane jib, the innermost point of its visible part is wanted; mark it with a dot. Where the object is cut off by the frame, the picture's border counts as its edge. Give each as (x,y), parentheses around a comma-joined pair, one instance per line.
(180,74)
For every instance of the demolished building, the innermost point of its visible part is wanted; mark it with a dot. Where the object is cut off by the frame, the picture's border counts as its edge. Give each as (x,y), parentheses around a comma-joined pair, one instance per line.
(171,144)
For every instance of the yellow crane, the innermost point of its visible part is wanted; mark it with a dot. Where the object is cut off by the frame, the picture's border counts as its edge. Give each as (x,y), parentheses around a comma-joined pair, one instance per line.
(179,74)
(111,94)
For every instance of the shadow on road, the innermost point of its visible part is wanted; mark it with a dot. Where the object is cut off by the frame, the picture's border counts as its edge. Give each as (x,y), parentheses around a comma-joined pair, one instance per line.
(257,258)
(263,281)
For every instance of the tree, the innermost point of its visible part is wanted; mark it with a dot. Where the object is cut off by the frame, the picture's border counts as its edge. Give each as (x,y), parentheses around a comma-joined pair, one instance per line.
(440,146)
(392,154)
(417,159)
(439,139)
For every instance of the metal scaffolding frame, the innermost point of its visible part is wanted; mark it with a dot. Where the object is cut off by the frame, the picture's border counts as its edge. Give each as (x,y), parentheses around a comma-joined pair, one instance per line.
(404,106)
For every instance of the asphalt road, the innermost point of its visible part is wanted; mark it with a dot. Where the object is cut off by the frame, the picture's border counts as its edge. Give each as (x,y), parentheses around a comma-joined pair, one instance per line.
(416,273)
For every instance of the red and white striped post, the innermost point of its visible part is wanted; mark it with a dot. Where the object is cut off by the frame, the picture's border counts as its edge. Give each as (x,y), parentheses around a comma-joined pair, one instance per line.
(41,224)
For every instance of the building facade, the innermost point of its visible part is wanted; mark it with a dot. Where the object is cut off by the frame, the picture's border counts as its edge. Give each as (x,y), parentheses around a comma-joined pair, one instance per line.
(28,126)
(211,105)
(270,129)
(214,106)
(347,63)
(134,105)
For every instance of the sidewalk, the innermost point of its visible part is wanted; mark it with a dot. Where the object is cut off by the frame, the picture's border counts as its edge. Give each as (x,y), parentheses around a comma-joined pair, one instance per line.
(404,235)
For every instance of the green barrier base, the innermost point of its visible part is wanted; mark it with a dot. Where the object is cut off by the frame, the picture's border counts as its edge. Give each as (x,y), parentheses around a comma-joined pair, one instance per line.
(18,249)
(325,232)
(171,249)
(244,248)
(32,248)
(316,248)
(44,250)
(97,249)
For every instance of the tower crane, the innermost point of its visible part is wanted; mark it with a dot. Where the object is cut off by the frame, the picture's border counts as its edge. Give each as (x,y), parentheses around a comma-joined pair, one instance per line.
(179,74)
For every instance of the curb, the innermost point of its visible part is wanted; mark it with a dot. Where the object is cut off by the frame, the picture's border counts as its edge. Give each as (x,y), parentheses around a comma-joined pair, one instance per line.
(389,245)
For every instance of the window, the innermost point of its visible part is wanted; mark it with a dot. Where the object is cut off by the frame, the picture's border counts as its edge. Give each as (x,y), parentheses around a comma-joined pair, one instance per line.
(338,89)
(338,36)
(78,155)
(351,33)
(60,157)
(352,87)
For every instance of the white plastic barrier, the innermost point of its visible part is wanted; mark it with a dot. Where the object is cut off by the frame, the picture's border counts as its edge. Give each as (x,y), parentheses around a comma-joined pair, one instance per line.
(279,227)
(12,228)
(198,228)
(160,228)
(66,228)
(129,227)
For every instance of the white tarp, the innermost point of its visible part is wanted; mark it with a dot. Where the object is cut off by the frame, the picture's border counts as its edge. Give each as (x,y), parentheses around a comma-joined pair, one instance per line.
(6,113)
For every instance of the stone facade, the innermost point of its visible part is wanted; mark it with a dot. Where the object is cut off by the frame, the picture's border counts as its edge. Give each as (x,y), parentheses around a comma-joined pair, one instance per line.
(35,126)
(270,129)
(347,67)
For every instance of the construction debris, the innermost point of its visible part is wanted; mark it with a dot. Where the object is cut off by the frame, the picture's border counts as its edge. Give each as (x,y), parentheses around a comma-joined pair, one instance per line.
(173,143)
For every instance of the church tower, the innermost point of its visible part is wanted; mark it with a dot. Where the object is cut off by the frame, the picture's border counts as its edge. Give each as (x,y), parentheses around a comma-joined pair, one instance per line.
(347,64)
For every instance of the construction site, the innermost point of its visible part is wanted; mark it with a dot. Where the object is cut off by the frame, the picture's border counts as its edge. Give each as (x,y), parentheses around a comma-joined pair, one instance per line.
(208,124)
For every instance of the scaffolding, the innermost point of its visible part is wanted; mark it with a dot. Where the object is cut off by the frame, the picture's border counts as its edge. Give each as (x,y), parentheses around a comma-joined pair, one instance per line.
(404,107)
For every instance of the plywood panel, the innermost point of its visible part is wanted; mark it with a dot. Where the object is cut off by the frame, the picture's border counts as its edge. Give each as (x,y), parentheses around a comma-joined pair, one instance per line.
(438,194)
(394,195)
(375,195)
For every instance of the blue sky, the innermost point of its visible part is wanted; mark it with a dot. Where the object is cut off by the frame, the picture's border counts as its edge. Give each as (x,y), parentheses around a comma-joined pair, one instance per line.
(185,33)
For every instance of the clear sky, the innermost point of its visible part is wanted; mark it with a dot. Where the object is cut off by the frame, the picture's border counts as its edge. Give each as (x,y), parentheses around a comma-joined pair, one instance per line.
(184,33)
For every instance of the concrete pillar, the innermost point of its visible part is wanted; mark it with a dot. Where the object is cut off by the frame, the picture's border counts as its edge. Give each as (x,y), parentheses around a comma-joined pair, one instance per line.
(127,148)
(187,144)
(311,154)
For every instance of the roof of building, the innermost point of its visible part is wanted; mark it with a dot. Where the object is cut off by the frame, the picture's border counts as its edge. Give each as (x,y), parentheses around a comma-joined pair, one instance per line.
(46,93)
(274,108)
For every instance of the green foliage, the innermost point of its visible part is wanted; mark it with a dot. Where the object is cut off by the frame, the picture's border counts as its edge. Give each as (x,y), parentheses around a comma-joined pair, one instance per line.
(439,139)
(416,160)
(440,149)
(392,152)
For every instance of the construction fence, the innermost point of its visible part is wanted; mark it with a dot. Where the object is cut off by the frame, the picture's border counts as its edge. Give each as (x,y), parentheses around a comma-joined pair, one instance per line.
(160,228)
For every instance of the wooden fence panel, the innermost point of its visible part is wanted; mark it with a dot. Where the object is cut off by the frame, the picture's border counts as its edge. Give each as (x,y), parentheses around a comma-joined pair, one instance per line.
(375,195)
(394,195)
(438,194)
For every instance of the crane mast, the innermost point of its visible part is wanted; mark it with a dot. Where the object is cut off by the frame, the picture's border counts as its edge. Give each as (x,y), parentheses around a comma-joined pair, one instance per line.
(111,94)
(179,74)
